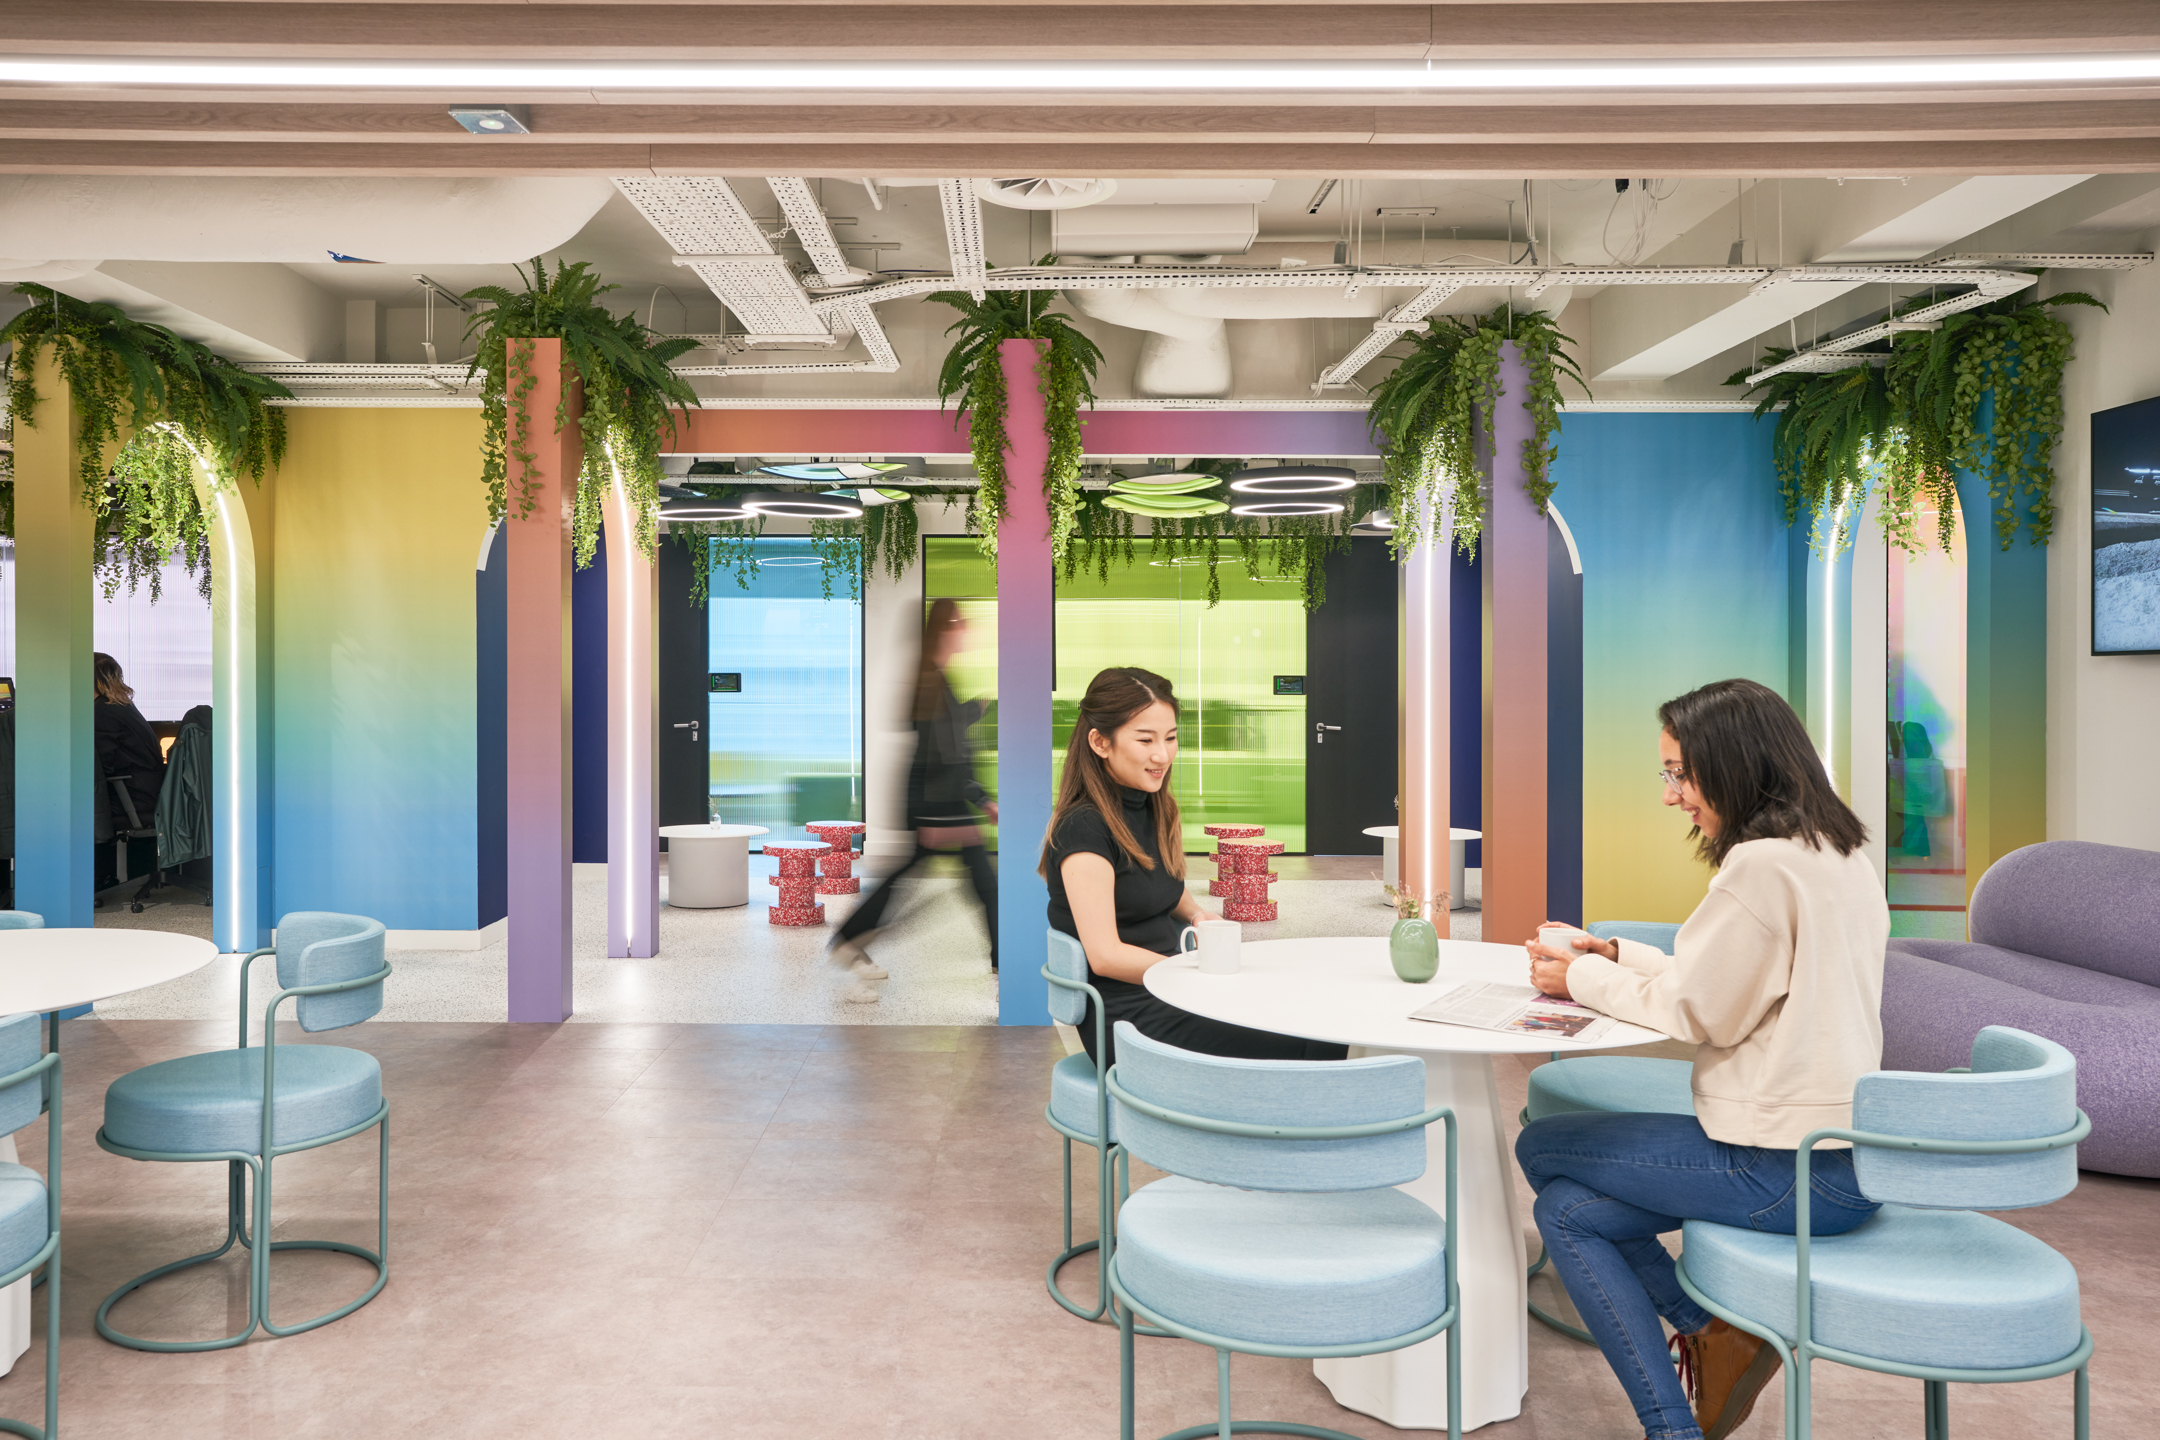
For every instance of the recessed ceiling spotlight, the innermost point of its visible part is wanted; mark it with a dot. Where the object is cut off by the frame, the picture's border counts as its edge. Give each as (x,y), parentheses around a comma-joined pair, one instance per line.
(1294,480)
(493,119)
(799,505)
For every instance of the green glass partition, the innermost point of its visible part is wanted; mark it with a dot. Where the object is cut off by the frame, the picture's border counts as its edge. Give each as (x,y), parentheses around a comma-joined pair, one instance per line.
(1241,745)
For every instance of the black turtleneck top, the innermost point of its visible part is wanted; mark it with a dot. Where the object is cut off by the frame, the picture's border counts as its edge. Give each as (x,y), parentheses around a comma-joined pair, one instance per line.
(1147,900)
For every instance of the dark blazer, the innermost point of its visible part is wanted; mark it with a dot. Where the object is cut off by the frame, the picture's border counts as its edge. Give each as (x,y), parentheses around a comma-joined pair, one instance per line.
(126,745)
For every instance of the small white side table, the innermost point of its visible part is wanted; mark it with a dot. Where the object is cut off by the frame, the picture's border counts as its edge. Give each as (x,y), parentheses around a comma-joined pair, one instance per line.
(709,865)
(1391,859)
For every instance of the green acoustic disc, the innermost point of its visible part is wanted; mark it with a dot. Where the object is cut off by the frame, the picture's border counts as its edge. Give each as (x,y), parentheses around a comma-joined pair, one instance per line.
(1183,483)
(1167,507)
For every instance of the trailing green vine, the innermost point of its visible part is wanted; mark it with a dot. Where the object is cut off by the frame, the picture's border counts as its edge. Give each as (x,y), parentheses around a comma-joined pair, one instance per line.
(1435,408)
(972,372)
(155,403)
(1907,419)
(628,391)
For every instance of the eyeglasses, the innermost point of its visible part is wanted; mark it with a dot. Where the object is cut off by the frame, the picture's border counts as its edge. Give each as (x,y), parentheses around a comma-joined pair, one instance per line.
(1673,779)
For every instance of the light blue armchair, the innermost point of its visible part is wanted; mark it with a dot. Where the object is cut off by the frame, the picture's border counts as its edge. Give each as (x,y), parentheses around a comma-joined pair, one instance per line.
(30,1207)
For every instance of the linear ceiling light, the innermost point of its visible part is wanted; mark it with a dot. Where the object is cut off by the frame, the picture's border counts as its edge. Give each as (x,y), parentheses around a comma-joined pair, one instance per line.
(1183,77)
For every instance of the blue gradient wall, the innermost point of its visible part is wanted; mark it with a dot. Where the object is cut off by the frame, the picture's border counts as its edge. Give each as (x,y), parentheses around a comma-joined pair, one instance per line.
(1684,552)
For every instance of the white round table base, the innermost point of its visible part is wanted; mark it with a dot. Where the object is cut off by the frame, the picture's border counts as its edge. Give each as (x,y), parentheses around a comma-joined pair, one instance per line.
(708,865)
(15,1299)
(1408,1388)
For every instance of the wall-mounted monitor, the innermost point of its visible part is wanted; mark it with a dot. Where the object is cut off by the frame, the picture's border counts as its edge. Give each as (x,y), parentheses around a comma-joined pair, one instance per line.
(2126,529)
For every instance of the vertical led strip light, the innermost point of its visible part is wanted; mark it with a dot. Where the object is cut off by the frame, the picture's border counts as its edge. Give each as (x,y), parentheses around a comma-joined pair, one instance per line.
(1424,623)
(633,671)
(235,838)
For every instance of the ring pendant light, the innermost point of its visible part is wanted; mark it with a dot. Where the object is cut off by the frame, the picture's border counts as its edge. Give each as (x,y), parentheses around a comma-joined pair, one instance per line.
(1294,480)
(1260,509)
(801,505)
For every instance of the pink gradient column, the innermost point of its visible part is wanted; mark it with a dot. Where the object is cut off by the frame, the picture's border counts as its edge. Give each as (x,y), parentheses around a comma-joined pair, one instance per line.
(537,688)
(1422,732)
(1026,597)
(1515,587)
(633,710)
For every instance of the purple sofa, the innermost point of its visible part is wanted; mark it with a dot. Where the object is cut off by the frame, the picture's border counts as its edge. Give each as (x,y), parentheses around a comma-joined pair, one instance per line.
(2066,944)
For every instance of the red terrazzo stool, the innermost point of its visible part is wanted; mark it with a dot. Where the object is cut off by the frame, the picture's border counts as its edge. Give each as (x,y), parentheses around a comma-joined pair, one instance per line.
(797,881)
(1219,887)
(836,867)
(1244,877)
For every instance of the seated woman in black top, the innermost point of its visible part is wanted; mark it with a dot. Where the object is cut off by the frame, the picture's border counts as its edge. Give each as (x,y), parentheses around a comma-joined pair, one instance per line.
(1115,862)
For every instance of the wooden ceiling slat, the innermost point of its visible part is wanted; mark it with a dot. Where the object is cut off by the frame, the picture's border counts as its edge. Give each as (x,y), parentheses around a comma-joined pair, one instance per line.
(1408,160)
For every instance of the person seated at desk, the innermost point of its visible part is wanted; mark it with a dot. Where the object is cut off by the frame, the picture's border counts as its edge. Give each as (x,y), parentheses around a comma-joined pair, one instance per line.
(1777,977)
(1115,863)
(126,745)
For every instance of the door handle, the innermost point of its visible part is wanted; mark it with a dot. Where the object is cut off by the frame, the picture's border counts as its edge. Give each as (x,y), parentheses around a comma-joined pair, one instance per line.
(1320,738)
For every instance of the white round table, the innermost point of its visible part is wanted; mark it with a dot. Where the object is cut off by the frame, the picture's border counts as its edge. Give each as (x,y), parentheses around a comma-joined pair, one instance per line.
(708,865)
(43,970)
(1346,991)
(1390,837)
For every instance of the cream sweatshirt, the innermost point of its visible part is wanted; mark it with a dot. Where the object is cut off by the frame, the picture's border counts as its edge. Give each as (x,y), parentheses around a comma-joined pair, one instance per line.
(1777,977)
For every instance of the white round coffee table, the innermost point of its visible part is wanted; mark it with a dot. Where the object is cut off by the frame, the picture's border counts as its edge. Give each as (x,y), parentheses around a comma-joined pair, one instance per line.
(709,865)
(54,970)
(1346,991)
(1390,837)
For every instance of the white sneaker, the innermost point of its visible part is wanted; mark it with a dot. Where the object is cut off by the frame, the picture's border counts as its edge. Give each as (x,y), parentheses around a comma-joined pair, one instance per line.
(868,969)
(861,994)
(852,955)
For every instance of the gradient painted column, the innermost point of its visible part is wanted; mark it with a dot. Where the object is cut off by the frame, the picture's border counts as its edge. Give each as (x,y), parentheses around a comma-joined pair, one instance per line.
(537,687)
(1515,656)
(1424,621)
(238,753)
(1819,624)
(55,747)
(1026,675)
(633,734)
(2005,683)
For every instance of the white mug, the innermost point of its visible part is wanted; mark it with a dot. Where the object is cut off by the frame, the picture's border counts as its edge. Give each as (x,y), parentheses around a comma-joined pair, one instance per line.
(1217,943)
(1562,938)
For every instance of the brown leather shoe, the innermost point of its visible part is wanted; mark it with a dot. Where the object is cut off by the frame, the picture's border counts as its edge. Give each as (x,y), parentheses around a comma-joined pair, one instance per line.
(1723,1370)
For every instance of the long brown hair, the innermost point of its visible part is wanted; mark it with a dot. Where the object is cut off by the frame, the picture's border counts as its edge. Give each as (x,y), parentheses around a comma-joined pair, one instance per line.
(942,616)
(105,675)
(1749,757)
(1113,698)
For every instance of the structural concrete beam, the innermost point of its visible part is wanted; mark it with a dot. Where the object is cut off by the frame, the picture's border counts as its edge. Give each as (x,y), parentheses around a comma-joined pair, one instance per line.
(242,310)
(1641,334)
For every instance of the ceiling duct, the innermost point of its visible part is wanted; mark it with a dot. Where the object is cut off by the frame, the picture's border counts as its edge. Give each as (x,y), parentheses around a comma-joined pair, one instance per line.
(1155,229)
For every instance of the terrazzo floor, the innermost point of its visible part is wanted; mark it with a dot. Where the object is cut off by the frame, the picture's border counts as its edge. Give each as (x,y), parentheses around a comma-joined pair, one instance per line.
(731,967)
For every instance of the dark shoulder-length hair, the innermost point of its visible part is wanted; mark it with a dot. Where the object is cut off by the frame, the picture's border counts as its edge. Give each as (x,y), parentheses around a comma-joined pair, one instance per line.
(110,685)
(1113,698)
(1750,759)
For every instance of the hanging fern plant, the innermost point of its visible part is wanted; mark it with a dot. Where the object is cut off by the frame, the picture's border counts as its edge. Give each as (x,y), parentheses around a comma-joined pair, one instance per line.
(972,372)
(1908,419)
(182,404)
(628,392)
(1433,408)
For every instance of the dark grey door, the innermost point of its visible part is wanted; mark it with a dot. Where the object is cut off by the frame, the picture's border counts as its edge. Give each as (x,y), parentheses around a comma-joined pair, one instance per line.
(685,766)
(1350,702)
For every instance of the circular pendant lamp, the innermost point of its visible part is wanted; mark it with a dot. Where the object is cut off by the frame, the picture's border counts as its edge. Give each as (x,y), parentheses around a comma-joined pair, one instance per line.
(700,507)
(1264,508)
(1171,484)
(805,505)
(1279,480)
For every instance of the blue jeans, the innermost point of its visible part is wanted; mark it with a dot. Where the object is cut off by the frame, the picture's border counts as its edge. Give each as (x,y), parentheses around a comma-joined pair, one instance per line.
(1608,1185)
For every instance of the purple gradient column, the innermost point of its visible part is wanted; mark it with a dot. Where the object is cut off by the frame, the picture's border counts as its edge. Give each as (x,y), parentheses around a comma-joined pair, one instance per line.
(1026,597)
(1515,642)
(537,686)
(633,735)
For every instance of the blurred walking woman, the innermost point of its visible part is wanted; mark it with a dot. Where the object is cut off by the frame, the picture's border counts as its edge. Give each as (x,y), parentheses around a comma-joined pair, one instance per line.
(943,797)
(1777,979)
(1115,862)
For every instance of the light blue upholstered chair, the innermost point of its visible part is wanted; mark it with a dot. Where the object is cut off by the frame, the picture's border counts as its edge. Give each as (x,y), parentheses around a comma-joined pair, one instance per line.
(30,1207)
(1609,1084)
(1278,1230)
(1925,1287)
(211,1107)
(1079,1109)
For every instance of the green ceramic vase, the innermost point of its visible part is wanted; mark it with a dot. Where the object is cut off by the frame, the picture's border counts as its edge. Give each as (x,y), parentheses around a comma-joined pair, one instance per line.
(1414,947)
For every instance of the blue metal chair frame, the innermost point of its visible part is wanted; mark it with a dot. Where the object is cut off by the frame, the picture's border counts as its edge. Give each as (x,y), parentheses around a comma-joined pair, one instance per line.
(1936,1379)
(48,1255)
(1113,1177)
(239,1164)
(1223,1345)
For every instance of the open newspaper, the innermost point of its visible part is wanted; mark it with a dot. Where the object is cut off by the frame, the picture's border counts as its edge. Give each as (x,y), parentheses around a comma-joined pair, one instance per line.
(1517,1010)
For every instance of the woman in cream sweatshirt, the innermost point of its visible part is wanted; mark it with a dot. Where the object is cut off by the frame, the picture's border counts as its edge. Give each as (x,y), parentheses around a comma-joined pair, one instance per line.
(1777,979)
